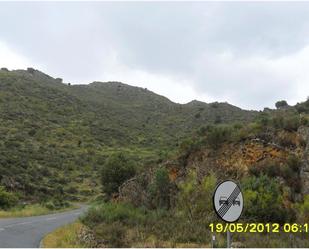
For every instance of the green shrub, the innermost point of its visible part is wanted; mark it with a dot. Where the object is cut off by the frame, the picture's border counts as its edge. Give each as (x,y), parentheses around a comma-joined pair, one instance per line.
(286,172)
(263,119)
(267,167)
(304,120)
(294,163)
(264,201)
(194,197)
(288,122)
(304,210)
(189,145)
(160,189)
(50,205)
(7,199)
(112,234)
(111,212)
(277,121)
(289,171)
(56,204)
(116,170)
(217,135)
(291,123)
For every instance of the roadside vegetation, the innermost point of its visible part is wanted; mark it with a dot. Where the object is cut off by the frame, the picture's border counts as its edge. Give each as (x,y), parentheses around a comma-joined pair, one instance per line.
(149,165)
(177,213)
(54,136)
(64,237)
(34,210)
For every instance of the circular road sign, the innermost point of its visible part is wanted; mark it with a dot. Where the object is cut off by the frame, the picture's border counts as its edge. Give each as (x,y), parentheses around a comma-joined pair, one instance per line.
(228,201)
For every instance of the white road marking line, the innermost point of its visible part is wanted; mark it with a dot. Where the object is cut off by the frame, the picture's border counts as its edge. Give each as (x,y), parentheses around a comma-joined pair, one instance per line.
(52,218)
(24,223)
(8,226)
(17,224)
(1,229)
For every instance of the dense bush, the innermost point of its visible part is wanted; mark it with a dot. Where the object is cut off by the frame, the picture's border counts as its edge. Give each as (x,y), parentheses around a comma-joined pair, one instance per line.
(113,234)
(113,212)
(263,119)
(286,121)
(160,189)
(194,197)
(294,162)
(304,210)
(7,199)
(303,107)
(291,123)
(110,221)
(115,171)
(277,121)
(189,145)
(217,135)
(264,201)
(137,225)
(56,204)
(267,167)
(289,171)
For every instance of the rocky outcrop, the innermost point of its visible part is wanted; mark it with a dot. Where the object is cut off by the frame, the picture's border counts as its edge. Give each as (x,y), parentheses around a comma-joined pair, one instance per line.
(131,191)
(134,190)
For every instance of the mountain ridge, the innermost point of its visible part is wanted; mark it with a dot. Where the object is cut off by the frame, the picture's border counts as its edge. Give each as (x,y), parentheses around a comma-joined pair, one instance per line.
(39,75)
(54,136)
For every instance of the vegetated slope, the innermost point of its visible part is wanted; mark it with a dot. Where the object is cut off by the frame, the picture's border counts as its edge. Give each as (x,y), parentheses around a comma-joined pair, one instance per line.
(54,136)
(269,158)
(141,117)
(274,145)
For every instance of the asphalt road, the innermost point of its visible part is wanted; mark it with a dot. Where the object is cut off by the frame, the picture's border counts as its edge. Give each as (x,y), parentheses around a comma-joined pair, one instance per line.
(28,232)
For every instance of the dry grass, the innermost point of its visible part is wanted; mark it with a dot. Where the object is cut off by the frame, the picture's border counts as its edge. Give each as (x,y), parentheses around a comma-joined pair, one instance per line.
(64,237)
(32,210)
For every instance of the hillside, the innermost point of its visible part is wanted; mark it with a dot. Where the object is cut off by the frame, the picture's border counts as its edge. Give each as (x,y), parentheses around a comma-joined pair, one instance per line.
(61,142)
(268,158)
(54,136)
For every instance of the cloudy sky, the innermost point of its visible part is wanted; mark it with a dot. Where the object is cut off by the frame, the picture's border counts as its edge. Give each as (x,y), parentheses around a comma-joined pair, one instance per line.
(248,54)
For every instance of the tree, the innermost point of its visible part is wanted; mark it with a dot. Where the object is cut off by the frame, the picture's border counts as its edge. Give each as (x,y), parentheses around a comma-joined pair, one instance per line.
(281,103)
(115,171)
(160,189)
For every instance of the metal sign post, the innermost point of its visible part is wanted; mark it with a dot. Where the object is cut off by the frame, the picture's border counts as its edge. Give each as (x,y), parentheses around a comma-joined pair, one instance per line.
(228,203)
(228,239)
(213,240)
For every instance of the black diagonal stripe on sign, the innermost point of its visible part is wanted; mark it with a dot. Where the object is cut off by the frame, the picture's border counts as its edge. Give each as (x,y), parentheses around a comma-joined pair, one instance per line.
(230,202)
(231,198)
(224,210)
(225,207)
